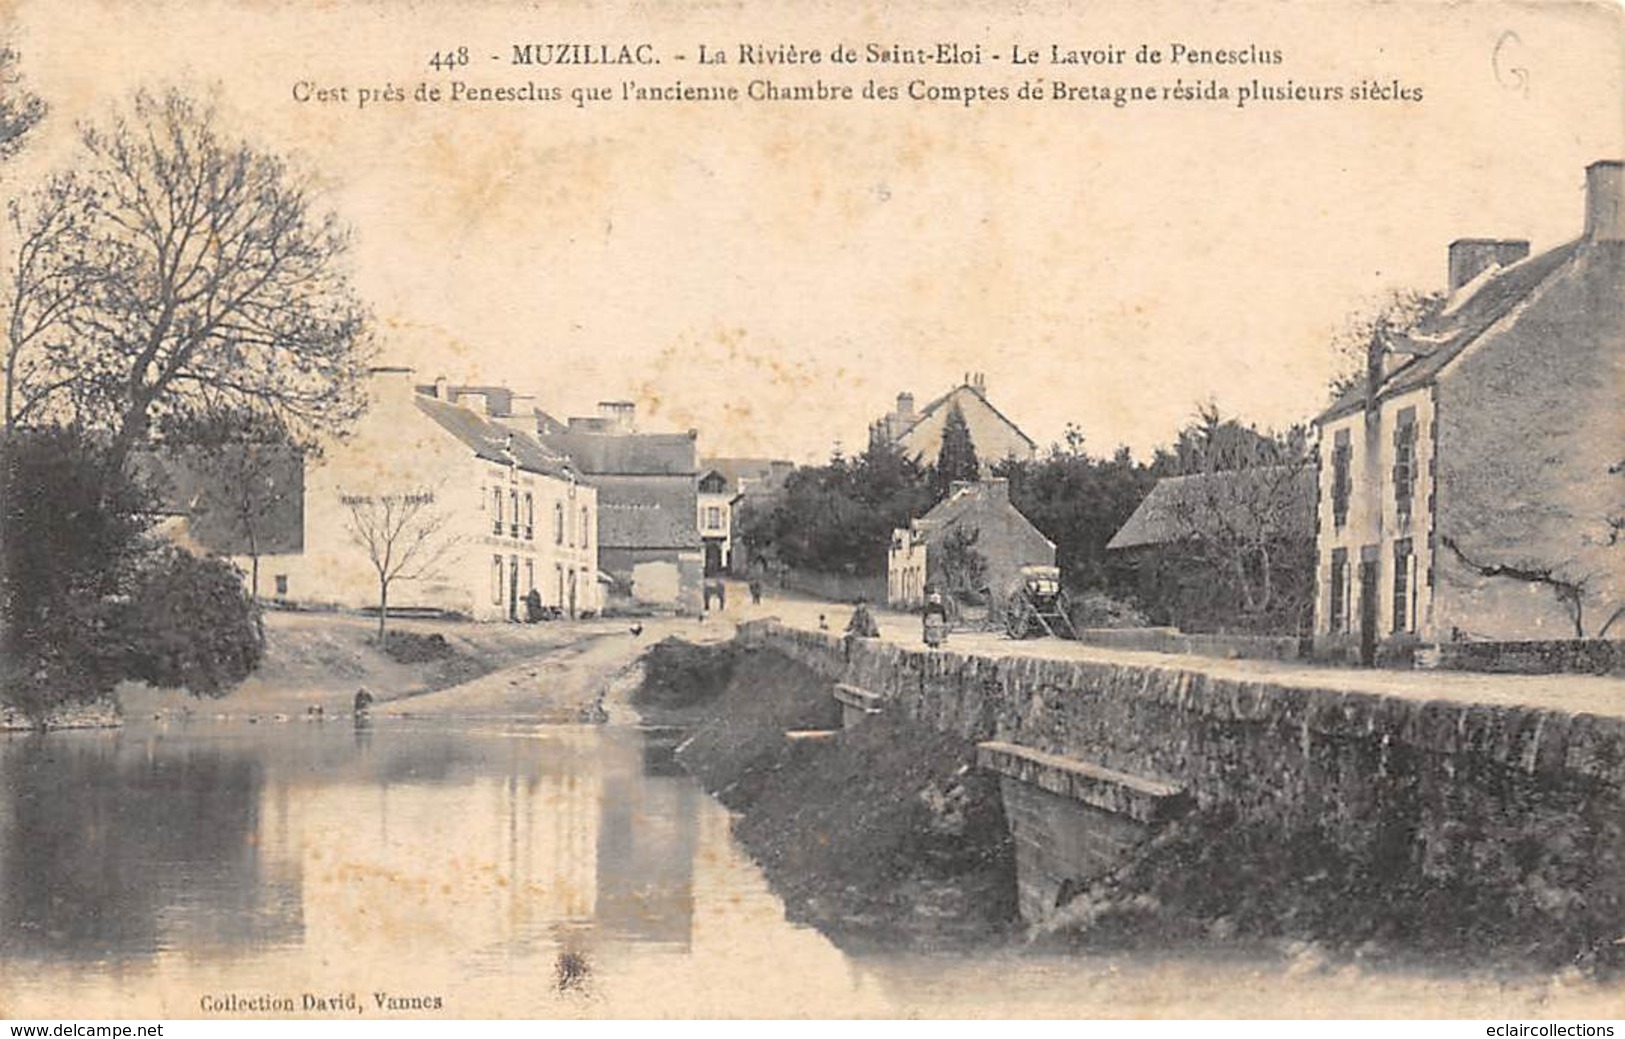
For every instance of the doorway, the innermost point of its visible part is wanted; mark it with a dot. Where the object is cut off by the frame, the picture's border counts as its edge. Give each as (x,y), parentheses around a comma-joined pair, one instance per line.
(1368,612)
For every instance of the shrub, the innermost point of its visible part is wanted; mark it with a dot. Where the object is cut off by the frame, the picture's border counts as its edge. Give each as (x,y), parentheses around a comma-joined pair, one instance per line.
(187,621)
(69,526)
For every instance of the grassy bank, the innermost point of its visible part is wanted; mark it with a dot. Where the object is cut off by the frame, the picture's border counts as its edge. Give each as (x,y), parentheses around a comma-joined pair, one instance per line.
(883,836)
(321,659)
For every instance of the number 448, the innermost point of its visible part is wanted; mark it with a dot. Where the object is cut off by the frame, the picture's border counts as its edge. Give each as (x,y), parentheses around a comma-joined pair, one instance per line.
(449,59)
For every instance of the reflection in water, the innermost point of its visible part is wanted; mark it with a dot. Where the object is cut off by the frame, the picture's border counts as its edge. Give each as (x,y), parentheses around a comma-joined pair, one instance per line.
(473,871)
(108,843)
(291,858)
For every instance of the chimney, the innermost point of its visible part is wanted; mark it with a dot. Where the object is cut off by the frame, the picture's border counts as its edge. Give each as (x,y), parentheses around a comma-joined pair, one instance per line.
(1374,351)
(440,387)
(1470,257)
(1605,201)
(905,406)
(979,383)
(618,415)
(997,489)
(389,382)
(960,485)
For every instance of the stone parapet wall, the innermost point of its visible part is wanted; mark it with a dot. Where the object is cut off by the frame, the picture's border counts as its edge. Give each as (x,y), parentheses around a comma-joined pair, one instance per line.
(1525,802)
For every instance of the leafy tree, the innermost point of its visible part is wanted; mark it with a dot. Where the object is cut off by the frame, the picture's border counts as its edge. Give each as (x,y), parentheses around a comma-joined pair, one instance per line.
(838,518)
(1079,502)
(404,536)
(197,277)
(956,459)
(68,536)
(961,566)
(20,109)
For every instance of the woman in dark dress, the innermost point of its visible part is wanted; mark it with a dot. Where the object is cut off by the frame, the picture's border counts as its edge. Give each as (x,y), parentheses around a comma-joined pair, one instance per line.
(934,619)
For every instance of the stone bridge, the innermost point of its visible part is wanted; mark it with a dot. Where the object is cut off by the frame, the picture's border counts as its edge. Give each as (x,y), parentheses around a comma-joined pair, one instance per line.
(1097,750)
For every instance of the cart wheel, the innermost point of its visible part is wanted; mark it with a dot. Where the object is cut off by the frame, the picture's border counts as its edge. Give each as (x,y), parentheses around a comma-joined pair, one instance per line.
(1016,621)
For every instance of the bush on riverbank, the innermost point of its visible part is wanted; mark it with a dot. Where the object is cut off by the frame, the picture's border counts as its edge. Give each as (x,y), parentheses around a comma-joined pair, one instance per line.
(680,677)
(882,835)
(410,647)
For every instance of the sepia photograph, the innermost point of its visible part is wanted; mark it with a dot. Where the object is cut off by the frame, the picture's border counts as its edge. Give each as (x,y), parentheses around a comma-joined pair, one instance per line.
(752,509)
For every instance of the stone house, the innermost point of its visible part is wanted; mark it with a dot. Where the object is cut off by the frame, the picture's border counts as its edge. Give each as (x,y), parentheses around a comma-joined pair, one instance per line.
(497,514)
(648,502)
(715,520)
(919,433)
(979,517)
(1467,487)
(743,485)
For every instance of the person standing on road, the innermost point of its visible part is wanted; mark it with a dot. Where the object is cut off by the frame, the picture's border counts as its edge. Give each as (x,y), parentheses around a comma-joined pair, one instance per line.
(934,620)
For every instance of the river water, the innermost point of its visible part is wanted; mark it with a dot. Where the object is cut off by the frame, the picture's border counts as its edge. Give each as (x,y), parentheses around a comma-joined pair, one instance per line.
(449,868)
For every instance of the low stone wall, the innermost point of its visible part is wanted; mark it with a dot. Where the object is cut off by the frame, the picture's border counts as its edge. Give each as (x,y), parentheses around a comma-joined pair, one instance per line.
(1549,657)
(1172,640)
(1516,812)
(839,588)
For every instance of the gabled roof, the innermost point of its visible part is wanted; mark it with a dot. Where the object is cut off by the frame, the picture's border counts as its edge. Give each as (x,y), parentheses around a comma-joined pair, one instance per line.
(1441,338)
(627,454)
(735,468)
(1275,500)
(947,399)
(968,499)
(495,442)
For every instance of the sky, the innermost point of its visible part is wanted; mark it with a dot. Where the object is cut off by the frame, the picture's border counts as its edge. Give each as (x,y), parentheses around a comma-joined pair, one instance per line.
(773,274)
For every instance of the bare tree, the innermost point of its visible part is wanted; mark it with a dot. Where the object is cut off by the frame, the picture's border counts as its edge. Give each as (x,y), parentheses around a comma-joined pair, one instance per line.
(1243,510)
(45,285)
(177,270)
(245,474)
(1377,330)
(404,536)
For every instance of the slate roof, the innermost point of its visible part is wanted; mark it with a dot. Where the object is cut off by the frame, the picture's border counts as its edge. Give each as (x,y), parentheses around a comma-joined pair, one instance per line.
(964,501)
(183,479)
(1278,499)
(647,512)
(495,442)
(627,454)
(947,398)
(1441,338)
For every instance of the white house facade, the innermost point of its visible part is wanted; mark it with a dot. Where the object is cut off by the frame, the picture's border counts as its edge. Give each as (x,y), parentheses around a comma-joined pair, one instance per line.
(492,515)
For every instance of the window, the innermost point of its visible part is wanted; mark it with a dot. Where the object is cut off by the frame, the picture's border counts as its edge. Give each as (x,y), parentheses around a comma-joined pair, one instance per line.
(586,527)
(558,572)
(1404,587)
(1405,463)
(713,517)
(1339,620)
(513,513)
(558,523)
(1342,453)
(496,510)
(496,578)
(281,586)
(530,517)
(530,575)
